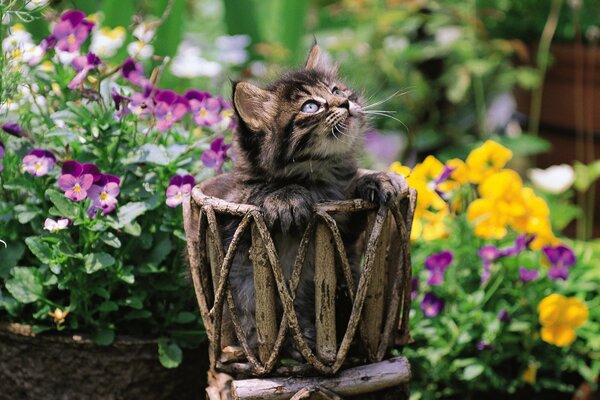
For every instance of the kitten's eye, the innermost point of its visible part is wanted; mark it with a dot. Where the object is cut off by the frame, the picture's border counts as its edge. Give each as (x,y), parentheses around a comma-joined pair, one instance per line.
(310,107)
(337,92)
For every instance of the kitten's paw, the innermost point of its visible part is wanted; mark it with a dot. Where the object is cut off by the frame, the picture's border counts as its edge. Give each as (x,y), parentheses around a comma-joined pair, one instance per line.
(288,208)
(381,187)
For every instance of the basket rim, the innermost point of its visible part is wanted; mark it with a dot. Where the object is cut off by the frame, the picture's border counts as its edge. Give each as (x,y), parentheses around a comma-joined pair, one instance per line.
(200,198)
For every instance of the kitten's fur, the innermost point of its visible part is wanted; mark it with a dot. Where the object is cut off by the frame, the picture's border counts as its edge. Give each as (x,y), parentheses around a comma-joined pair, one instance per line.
(286,160)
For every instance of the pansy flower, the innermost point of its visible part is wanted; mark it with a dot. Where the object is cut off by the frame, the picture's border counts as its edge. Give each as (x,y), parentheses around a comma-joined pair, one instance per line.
(83,65)
(528,275)
(77,179)
(559,317)
(504,316)
(55,226)
(59,315)
(179,187)
(103,194)
(141,103)
(12,128)
(134,72)
(216,155)
(437,264)
(170,108)
(71,31)
(38,162)
(560,258)
(432,305)
(205,108)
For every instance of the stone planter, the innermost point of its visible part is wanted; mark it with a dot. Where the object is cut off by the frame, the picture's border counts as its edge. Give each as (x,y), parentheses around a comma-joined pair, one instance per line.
(61,367)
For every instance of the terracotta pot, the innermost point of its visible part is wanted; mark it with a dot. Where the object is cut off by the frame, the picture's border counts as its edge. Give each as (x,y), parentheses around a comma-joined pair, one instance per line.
(70,367)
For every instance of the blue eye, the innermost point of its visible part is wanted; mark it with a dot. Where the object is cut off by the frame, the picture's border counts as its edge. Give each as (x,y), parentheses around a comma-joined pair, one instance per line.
(310,107)
(338,92)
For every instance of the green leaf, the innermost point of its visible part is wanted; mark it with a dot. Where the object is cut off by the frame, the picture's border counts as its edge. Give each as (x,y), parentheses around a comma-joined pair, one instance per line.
(129,212)
(39,248)
(525,144)
(586,175)
(25,214)
(103,336)
(169,353)
(185,317)
(108,306)
(25,285)
(65,207)
(111,239)
(9,257)
(169,34)
(148,154)
(472,371)
(97,261)
(118,12)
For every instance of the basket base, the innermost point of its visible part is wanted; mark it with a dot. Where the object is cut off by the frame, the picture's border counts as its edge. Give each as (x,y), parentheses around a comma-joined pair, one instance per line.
(379,381)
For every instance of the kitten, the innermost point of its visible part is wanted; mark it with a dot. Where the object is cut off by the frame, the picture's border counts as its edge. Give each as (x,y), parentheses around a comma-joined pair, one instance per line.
(297,144)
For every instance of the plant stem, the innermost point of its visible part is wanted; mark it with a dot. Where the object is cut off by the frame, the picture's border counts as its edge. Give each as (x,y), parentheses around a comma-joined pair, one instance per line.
(542,60)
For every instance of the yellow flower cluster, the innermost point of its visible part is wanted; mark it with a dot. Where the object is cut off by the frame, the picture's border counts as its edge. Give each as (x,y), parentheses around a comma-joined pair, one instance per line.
(503,200)
(559,316)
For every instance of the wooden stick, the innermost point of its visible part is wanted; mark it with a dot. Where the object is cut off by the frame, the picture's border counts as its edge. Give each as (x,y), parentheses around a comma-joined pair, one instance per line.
(264,289)
(325,287)
(351,382)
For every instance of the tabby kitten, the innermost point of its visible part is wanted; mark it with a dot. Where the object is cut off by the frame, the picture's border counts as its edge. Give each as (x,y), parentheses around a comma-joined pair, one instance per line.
(297,144)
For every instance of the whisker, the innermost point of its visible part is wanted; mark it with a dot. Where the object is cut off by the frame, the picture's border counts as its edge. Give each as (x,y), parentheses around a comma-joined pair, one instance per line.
(397,93)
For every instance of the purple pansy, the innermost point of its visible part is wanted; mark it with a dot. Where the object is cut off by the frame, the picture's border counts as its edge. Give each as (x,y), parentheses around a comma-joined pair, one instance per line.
(77,179)
(12,128)
(432,305)
(38,162)
(521,243)
(216,155)
(141,103)
(489,253)
(414,287)
(83,65)
(170,108)
(561,258)
(528,275)
(103,194)
(179,187)
(70,32)
(437,264)
(504,316)
(1,156)
(134,72)
(205,108)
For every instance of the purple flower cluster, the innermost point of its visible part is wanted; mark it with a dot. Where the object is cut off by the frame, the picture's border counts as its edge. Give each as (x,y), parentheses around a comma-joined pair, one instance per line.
(560,258)
(81,181)
(436,264)
(70,32)
(83,65)
(490,253)
(179,187)
(38,162)
(217,154)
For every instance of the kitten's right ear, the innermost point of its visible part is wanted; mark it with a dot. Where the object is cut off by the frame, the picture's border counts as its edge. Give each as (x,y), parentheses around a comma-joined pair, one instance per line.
(255,106)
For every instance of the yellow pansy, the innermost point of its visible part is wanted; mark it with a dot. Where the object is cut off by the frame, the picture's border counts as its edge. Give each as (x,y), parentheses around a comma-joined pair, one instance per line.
(560,316)
(428,170)
(530,374)
(400,169)
(59,315)
(460,174)
(486,160)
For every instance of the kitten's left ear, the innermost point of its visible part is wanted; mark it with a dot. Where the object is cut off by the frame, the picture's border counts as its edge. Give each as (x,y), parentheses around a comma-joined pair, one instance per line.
(319,60)
(255,106)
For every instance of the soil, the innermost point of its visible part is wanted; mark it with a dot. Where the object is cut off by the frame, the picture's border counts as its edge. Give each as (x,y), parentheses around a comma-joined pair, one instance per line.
(64,368)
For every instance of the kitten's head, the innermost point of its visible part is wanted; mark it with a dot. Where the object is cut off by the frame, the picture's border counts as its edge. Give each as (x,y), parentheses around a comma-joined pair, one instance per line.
(306,115)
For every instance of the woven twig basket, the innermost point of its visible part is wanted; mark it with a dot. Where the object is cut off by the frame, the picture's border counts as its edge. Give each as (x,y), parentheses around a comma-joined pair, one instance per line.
(380,299)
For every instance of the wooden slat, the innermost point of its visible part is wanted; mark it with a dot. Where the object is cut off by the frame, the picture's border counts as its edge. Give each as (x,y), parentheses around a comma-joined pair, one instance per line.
(325,286)
(265,295)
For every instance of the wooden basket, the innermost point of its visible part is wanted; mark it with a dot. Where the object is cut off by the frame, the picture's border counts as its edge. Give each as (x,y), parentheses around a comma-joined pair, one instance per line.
(380,300)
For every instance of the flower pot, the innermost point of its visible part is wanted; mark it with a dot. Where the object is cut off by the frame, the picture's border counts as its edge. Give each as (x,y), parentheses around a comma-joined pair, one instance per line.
(71,367)
(381,296)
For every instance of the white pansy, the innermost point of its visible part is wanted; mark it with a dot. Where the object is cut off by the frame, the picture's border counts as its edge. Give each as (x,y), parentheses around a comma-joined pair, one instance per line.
(232,49)
(65,57)
(106,41)
(33,4)
(32,54)
(17,39)
(189,64)
(54,226)
(555,179)
(447,35)
(144,33)
(140,50)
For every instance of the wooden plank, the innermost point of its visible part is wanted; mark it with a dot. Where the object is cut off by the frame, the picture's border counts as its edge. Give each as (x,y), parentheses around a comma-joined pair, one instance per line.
(325,286)
(351,382)
(372,314)
(265,295)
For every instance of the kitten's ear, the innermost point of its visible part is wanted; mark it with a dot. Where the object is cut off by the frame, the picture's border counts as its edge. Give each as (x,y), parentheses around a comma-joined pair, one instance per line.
(255,106)
(320,60)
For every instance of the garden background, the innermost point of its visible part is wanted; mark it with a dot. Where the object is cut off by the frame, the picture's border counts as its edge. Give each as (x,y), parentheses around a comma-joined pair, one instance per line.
(112,113)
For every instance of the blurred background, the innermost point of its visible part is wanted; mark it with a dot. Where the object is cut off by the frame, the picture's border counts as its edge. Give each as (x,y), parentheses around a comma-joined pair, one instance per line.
(454,73)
